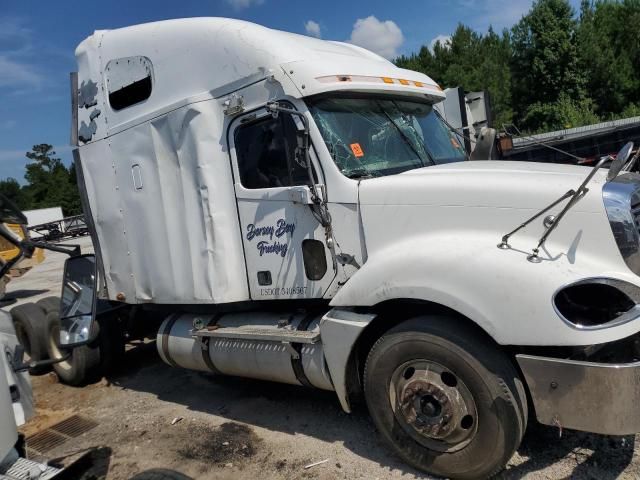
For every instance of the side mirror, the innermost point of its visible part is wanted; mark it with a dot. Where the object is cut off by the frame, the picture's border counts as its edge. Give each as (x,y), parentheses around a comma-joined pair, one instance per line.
(620,161)
(78,300)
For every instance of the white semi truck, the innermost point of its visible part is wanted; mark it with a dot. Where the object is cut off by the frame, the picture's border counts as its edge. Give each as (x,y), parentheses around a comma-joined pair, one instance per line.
(292,209)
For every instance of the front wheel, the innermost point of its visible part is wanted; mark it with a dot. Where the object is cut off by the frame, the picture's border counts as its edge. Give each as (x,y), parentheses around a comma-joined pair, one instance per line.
(445,398)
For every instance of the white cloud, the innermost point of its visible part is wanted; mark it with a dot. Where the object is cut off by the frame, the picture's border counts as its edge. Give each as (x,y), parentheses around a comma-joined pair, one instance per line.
(498,13)
(240,4)
(17,74)
(445,41)
(12,155)
(18,71)
(15,37)
(313,29)
(383,38)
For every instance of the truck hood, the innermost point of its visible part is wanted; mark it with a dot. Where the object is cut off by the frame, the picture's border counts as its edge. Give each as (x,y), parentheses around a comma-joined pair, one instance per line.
(498,184)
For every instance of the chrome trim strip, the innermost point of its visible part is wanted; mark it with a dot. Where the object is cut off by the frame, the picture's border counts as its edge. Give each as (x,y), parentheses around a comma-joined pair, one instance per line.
(629,289)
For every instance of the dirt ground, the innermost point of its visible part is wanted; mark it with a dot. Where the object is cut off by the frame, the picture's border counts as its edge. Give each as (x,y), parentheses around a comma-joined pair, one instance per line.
(152,416)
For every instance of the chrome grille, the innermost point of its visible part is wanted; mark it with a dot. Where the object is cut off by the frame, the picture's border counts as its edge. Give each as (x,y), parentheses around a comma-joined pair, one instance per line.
(622,203)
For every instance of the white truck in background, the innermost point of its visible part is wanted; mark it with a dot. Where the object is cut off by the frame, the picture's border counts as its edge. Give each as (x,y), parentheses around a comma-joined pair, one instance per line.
(285,208)
(43,215)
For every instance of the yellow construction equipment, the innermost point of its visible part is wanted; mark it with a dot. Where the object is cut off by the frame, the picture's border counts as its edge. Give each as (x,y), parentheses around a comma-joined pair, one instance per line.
(8,251)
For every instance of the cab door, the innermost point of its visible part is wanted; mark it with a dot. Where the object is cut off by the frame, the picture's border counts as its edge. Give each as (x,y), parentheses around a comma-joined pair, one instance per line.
(284,244)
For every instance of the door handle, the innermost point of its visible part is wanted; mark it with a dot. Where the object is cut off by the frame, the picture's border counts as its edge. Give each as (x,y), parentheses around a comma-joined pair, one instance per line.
(300,195)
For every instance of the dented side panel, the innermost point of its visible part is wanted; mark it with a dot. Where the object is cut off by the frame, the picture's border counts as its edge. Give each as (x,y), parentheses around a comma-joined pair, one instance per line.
(106,209)
(162,197)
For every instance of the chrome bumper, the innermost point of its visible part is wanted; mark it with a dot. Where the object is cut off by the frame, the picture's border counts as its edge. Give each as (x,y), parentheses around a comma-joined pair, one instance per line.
(593,397)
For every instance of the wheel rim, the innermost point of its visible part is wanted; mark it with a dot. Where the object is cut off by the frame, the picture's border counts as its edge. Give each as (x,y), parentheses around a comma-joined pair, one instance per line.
(55,350)
(433,405)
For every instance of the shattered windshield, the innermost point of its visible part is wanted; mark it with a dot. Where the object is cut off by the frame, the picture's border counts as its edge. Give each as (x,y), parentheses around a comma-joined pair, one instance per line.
(371,137)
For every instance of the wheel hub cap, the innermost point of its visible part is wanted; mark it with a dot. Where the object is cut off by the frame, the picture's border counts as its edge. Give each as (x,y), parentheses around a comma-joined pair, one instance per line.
(433,405)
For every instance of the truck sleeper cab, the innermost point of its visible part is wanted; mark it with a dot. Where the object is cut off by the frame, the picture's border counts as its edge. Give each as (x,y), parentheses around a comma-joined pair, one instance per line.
(296,210)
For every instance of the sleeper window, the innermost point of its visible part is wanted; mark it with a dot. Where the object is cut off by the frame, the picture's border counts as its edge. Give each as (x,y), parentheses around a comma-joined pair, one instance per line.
(266,152)
(129,81)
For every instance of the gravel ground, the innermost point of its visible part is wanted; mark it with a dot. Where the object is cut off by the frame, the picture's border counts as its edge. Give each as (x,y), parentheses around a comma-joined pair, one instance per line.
(151,416)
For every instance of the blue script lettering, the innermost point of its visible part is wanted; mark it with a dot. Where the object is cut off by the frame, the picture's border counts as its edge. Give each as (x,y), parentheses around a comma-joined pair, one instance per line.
(257,231)
(282,228)
(276,247)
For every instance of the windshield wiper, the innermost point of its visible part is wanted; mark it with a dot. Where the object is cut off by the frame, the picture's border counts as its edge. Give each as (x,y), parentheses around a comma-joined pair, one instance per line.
(359,173)
(406,139)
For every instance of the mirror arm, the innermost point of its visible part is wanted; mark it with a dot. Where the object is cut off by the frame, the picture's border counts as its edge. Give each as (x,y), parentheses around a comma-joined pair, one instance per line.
(504,244)
(71,250)
(27,246)
(24,366)
(579,193)
(19,365)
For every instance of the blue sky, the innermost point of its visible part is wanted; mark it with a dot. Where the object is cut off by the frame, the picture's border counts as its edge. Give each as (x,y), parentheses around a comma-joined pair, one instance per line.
(38,38)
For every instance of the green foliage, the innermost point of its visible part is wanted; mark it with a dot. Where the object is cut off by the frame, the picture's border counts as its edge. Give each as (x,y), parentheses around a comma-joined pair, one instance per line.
(544,64)
(554,69)
(610,49)
(631,110)
(473,61)
(11,189)
(50,183)
(564,113)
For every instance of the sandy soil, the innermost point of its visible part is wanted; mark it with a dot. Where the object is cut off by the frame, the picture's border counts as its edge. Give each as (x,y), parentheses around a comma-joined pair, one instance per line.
(233,428)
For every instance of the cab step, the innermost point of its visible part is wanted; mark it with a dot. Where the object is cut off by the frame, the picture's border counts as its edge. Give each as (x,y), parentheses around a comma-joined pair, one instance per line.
(23,469)
(263,334)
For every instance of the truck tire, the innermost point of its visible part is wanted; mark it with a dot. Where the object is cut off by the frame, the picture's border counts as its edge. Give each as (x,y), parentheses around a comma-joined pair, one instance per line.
(29,321)
(50,304)
(445,398)
(83,366)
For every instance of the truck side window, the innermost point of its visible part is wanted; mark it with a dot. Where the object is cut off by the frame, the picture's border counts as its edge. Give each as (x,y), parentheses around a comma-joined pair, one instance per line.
(265,150)
(129,81)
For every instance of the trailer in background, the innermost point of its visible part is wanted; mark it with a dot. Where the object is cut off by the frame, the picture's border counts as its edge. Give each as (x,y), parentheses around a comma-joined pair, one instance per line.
(43,215)
(68,227)
(590,142)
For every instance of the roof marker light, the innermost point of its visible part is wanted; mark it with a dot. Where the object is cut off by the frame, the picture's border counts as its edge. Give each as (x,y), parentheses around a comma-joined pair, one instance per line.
(390,81)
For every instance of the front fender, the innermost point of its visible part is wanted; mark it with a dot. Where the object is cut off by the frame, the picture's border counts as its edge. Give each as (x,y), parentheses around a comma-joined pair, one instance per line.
(506,295)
